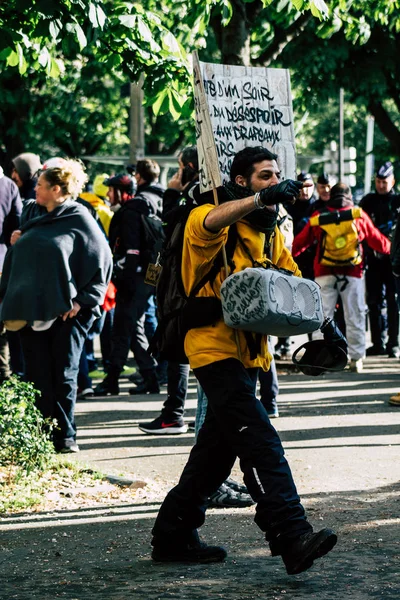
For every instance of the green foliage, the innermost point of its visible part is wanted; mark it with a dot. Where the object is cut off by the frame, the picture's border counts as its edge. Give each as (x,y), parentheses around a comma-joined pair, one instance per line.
(66,60)
(84,112)
(149,37)
(41,35)
(24,433)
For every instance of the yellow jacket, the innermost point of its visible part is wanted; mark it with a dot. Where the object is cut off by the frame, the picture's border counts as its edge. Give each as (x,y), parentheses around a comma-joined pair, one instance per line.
(205,345)
(104,212)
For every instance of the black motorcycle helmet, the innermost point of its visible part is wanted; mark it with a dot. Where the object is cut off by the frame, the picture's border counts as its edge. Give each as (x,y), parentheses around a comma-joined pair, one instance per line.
(122,182)
(317,357)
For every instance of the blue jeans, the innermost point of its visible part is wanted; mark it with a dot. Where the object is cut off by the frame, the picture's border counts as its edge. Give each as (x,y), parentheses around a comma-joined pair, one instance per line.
(52,363)
(84,380)
(236,425)
(150,326)
(178,378)
(150,319)
(269,388)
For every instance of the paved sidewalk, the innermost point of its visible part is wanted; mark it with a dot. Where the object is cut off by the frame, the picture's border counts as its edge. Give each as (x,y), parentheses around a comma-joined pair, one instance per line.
(342,440)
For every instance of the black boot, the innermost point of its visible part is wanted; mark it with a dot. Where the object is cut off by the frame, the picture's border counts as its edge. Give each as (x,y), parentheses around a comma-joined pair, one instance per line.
(109,385)
(190,550)
(150,384)
(299,554)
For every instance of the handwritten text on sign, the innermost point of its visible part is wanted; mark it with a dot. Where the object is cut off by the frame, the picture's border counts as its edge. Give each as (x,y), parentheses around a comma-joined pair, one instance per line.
(248,106)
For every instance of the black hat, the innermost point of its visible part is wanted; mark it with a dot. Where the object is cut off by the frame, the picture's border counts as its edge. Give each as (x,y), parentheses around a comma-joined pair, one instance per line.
(324,179)
(340,196)
(122,182)
(386,170)
(304,176)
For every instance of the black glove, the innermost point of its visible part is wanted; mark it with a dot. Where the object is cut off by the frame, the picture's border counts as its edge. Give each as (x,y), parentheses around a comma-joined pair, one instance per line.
(333,335)
(286,191)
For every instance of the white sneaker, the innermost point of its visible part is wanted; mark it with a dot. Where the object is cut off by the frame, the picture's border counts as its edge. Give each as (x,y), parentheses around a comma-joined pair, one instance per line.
(356,366)
(86,393)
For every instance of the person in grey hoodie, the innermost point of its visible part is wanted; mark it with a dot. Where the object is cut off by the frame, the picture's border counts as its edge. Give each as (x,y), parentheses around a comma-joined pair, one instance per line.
(55,277)
(24,174)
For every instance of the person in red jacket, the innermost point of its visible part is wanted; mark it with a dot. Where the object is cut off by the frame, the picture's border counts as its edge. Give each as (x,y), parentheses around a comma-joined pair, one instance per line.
(343,278)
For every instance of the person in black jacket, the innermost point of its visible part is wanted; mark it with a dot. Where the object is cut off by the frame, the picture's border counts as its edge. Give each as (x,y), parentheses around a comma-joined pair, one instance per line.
(382,206)
(146,172)
(126,242)
(170,419)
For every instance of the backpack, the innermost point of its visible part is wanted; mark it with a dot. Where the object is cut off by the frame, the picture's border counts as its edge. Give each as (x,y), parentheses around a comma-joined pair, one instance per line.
(152,239)
(340,244)
(176,311)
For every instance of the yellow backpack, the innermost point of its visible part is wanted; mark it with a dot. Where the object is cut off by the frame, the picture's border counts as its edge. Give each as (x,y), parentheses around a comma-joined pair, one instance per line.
(339,245)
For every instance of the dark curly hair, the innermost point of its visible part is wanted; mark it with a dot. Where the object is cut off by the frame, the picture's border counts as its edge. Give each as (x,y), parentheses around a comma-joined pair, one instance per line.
(244,161)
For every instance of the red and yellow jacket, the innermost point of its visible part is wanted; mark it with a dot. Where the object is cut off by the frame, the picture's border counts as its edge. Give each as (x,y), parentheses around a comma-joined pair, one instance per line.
(366,232)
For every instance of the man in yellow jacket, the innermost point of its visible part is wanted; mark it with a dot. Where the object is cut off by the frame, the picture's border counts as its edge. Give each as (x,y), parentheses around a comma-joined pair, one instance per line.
(236,424)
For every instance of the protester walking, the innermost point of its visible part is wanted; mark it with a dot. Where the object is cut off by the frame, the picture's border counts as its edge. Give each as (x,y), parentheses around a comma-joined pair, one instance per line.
(236,423)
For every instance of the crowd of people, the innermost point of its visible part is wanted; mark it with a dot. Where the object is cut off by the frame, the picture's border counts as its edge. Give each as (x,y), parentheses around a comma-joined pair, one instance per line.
(74,266)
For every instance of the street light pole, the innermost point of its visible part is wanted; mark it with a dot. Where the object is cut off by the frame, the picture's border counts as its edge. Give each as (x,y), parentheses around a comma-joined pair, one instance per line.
(136,133)
(369,157)
(341,134)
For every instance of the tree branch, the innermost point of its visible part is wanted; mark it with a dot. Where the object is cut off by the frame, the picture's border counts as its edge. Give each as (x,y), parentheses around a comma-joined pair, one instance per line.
(281,40)
(176,144)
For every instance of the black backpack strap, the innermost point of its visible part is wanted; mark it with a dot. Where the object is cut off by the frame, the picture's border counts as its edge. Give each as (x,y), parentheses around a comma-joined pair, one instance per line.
(253,341)
(218,262)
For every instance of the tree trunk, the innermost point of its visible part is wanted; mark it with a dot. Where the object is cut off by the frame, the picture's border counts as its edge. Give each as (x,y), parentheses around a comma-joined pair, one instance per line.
(234,39)
(385,124)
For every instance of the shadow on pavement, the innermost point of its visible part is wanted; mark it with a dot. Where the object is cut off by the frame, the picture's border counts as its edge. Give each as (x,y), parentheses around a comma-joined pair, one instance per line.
(107,557)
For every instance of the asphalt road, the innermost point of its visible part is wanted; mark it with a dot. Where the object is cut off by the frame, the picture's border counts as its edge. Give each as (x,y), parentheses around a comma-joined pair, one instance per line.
(342,441)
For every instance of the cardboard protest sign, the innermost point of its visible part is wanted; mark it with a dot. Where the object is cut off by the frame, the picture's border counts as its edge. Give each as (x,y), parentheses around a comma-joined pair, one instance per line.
(238,107)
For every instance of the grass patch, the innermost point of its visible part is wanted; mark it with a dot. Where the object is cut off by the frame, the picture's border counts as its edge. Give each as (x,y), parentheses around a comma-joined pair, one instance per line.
(67,485)
(20,491)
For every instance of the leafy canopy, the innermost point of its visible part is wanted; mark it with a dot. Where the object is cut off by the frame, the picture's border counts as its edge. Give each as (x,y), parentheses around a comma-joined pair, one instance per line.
(150,37)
